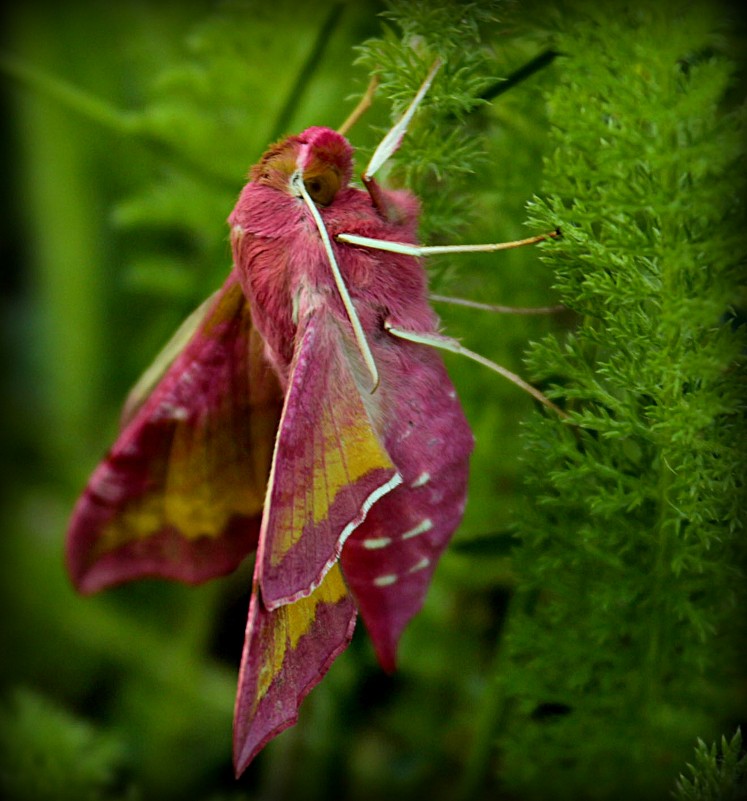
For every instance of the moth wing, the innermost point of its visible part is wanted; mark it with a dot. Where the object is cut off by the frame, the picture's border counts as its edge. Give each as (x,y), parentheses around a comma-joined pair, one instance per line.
(287,651)
(329,467)
(389,560)
(180,493)
(152,376)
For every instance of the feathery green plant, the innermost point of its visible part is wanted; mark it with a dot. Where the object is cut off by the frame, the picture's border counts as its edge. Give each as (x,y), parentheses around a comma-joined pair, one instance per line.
(442,150)
(719,774)
(624,642)
(47,753)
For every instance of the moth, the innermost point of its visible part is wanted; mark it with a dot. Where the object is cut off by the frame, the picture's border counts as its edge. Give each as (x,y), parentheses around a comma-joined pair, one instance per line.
(302,411)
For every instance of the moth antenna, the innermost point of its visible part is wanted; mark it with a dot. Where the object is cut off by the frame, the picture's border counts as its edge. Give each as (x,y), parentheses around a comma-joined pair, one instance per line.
(434,250)
(451,345)
(391,142)
(494,307)
(363,105)
(360,336)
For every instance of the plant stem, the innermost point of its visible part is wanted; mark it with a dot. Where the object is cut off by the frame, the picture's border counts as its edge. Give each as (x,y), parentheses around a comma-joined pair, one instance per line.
(307,71)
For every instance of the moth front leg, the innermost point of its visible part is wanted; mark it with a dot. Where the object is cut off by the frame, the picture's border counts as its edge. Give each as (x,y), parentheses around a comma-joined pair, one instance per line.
(442,342)
(408,249)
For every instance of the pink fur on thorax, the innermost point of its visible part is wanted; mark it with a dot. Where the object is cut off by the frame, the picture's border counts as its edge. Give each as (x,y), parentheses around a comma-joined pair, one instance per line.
(279,253)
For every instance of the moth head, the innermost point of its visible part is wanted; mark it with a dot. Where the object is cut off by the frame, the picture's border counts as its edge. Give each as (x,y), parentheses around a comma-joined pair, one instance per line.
(277,164)
(326,162)
(323,156)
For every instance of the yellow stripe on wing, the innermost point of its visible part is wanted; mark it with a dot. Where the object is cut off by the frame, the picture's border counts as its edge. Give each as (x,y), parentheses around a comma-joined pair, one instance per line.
(205,485)
(290,623)
(336,458)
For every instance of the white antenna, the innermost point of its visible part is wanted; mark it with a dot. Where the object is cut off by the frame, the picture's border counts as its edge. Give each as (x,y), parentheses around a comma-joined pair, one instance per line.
(393,139)
(360,336)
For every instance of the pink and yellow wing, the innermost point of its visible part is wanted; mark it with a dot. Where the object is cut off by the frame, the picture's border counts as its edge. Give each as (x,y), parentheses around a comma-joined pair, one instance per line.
(390,559)
(180,493)
(329,467)
(287,651)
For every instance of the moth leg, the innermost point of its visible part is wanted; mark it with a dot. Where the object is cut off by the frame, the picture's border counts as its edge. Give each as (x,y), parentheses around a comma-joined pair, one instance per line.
(391,142)
(441,342)
(409,249)
(386,203)
(378,196)
(495,307)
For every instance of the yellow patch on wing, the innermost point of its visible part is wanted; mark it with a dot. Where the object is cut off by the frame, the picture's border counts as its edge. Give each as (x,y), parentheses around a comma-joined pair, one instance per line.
(290,623)
(337,454)
(205,484)
(206,459)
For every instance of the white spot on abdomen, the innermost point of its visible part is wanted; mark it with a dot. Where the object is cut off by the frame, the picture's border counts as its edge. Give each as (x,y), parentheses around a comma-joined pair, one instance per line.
(421,528)
(421,565)
(406,434)
(168,411)
(376,542)
(422,479)
(385,581)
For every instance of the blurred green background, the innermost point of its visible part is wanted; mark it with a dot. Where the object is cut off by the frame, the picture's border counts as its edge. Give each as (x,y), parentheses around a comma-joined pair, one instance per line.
(129,130)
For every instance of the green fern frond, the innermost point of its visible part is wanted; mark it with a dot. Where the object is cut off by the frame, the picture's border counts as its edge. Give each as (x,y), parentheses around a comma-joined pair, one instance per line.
(441,147)
(719,774)
(630,557)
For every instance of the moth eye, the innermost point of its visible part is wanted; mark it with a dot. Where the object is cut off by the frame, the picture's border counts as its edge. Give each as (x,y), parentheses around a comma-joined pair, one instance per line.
(322,186)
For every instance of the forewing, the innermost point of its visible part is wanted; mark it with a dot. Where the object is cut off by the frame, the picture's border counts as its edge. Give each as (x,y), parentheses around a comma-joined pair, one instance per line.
(150,379)
(287,651)
(389,560)
(180,493)
(329,467)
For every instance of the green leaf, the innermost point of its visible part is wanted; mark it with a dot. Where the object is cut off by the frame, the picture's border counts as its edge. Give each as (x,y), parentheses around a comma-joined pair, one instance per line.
(719,774)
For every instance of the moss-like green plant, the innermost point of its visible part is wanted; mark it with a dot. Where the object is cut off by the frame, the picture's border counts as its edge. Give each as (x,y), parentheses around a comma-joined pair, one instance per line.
(441,151)
(624,640)
(718,774)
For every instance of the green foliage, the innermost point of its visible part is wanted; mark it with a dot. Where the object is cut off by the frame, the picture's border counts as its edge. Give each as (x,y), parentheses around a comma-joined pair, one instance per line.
(208,115)
(625,636)
(46,754)
(441,151)
(717,775)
